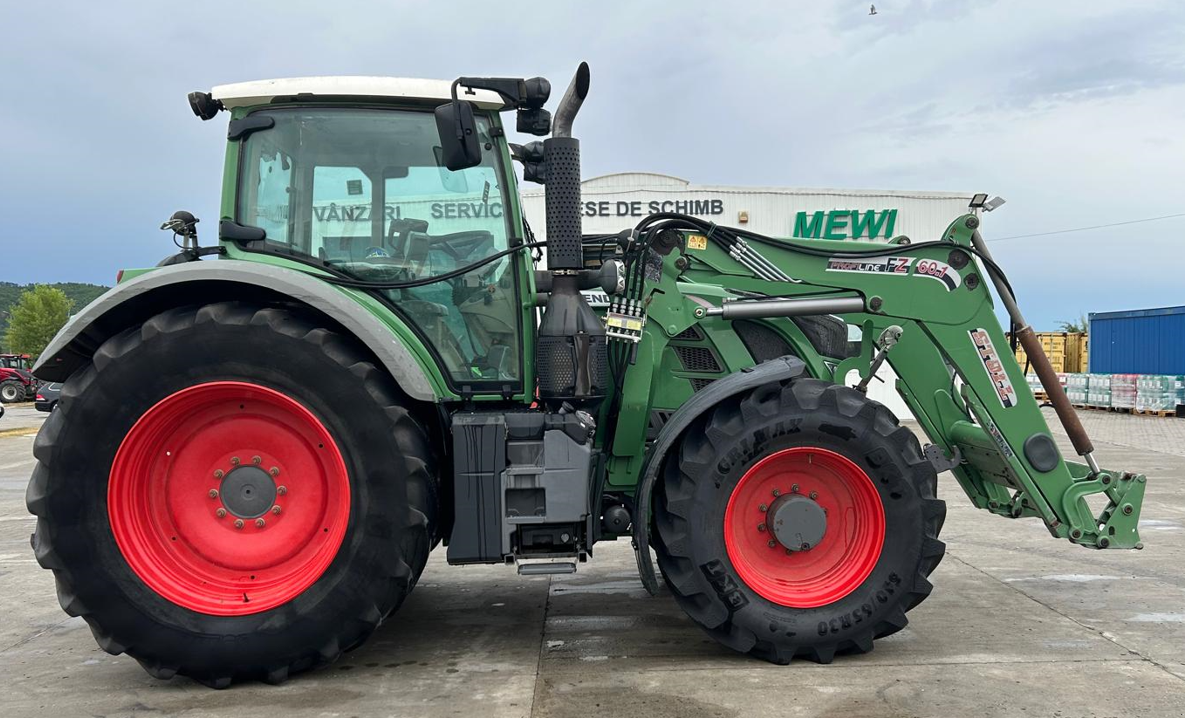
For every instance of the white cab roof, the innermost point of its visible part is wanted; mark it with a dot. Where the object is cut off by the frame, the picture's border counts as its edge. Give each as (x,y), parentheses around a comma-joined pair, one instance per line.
(261,92)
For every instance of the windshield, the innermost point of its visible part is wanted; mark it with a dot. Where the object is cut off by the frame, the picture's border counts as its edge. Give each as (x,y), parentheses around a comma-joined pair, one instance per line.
(365,191)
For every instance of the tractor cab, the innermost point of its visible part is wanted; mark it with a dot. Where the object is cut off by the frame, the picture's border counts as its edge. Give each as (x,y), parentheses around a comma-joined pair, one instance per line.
(348,174)
(16,380)
(22,362)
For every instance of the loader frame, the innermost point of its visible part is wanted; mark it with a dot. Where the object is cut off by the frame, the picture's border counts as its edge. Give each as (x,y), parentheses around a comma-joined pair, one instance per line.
(956,372)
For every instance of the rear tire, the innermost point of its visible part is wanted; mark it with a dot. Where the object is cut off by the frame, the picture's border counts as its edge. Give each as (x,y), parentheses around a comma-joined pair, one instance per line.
(12,391)
(861,491)
(156,587)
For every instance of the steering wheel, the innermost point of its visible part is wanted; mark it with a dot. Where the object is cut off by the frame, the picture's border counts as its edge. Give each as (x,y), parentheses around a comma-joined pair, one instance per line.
(459,245)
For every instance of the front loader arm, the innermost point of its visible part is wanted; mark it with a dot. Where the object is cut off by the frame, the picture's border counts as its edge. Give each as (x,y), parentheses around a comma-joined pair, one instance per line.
(967,391)
(956,373)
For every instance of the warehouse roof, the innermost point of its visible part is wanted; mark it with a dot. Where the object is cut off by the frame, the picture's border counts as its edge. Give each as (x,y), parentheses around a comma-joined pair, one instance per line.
(259,92)
(641,181)
(1129,313)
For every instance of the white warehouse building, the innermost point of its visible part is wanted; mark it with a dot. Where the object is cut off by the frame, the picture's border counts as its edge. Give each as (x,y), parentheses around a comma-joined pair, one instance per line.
(617,201)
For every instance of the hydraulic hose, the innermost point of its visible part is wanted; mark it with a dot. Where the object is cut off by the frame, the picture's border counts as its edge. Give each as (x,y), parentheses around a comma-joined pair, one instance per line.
(1041,366)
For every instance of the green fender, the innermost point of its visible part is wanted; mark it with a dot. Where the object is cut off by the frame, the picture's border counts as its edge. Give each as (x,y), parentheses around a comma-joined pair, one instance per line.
(138,298)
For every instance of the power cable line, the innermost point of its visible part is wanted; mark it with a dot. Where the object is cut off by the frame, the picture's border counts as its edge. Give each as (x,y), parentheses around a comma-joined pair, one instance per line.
(1083,229)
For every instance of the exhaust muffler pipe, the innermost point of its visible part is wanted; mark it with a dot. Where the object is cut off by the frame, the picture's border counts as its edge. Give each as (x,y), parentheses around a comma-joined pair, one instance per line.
(571,357)
(570,103)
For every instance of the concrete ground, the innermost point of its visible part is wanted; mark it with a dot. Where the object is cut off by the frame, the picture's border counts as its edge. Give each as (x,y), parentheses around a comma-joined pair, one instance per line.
(1018,624)
(20,416)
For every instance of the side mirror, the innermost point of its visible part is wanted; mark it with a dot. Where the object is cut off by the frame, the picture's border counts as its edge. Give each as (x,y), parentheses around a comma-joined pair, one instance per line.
(457,129)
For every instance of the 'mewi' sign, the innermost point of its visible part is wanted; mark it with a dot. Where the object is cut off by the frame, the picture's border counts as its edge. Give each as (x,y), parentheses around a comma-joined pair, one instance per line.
(845,224)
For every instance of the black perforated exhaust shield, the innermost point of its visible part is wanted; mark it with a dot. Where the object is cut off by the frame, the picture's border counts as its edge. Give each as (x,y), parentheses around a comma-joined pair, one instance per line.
(571,356)
(562,202)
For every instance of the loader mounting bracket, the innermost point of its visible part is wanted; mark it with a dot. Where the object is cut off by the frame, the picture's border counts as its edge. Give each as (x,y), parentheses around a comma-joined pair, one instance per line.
(937,459)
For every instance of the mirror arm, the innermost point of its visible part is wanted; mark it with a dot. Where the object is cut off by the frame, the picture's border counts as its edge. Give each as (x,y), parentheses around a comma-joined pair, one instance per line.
(458,130)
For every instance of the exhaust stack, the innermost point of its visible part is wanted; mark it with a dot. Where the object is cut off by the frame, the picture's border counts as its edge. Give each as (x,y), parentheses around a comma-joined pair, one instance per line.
(571,357)
(571,102)
(561,153)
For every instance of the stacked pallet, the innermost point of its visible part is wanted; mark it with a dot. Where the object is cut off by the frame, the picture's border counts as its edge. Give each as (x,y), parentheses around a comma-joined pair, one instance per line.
(1123,390)
(1076,388)
(1138,393)
(1098,391)
(1159,394)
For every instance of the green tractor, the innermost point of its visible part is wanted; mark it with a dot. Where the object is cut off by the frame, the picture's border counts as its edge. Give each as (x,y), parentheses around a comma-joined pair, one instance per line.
(255,453)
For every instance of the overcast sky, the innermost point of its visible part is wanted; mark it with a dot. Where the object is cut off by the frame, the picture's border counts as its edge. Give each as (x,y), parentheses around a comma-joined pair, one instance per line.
(1072,111)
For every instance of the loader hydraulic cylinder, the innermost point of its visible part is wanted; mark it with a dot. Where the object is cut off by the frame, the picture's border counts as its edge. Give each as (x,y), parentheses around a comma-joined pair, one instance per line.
(1042,367)
(784,308)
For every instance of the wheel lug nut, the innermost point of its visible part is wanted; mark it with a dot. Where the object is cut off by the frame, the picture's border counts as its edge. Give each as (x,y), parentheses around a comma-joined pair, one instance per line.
(762,507)
(794,488)
(274,471)
(238,523)
(213,493)
(276,510)
(789,552)
(219,473)
(772,543)
(776,493)
(220,513)
(281,490)
(760,527)
(234,460)
(260,523)
(814,495)
(806,547)
(256,460)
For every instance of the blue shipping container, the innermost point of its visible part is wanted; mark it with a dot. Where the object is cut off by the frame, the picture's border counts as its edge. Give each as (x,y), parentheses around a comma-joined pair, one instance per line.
(1140,341)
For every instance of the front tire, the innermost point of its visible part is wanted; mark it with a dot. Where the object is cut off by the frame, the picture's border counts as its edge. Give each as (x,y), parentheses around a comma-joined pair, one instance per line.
(798,519)
(12,391)
(232,492)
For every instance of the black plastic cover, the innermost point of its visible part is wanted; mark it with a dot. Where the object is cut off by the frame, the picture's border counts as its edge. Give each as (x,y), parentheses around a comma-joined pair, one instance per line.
(1041,452)
(479,457)
(237,129)
(232,231)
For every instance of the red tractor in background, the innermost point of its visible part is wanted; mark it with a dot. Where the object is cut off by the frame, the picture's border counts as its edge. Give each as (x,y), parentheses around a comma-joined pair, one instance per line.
(16,380)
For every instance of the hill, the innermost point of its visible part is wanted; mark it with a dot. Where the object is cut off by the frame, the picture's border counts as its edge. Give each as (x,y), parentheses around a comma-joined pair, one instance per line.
(80,294)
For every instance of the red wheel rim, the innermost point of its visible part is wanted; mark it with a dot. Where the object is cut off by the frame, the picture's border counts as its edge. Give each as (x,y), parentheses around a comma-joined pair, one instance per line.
(850,545)
(188,472)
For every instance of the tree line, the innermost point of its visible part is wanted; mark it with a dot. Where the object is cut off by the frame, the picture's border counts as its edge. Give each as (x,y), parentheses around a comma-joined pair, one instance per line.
(30,315)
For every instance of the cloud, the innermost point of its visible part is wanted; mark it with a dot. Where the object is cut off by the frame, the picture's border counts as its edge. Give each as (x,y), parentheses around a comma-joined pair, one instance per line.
(1071,110)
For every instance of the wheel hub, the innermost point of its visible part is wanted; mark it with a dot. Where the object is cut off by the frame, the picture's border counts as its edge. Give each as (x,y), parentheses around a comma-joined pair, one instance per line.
(797,522)
(228,498)
(248,492)
(804,526)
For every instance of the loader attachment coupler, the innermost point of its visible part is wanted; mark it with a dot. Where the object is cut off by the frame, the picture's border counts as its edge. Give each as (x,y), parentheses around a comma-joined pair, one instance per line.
(1005,489)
